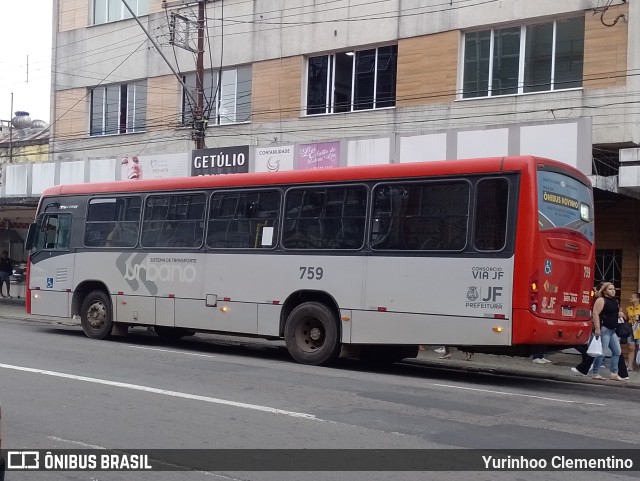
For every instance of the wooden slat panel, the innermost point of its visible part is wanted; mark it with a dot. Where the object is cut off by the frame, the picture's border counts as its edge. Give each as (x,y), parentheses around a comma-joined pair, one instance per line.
(72,114)
(72,14)
(276,89)
(609,220)
(605,49)
(427,69)
(155,6)
(163,102)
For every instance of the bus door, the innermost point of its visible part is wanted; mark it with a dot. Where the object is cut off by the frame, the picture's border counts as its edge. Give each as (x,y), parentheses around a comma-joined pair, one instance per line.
(51,265)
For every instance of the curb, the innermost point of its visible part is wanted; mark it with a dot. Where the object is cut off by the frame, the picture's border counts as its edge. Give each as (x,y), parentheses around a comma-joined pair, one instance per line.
(505,371)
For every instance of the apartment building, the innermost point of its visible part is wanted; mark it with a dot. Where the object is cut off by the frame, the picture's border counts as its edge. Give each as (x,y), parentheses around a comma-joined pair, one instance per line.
(299,84)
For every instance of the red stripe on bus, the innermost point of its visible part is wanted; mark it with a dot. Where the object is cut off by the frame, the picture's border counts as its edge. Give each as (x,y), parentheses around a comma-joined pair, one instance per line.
(341,174)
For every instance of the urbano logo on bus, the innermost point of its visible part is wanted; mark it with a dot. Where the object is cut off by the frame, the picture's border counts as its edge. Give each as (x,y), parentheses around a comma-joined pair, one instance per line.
(150,269)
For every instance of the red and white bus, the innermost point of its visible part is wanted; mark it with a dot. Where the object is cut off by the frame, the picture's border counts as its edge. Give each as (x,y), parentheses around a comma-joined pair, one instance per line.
(490,255)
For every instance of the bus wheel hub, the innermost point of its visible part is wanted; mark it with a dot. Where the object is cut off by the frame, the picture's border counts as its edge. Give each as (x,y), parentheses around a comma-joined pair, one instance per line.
(315,334)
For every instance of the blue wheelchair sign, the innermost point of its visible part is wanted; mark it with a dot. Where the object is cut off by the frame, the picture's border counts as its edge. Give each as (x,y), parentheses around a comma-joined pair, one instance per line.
(49,282)
(547,267)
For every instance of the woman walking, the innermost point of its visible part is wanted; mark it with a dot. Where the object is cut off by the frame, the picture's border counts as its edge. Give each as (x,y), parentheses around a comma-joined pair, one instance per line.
(605,320)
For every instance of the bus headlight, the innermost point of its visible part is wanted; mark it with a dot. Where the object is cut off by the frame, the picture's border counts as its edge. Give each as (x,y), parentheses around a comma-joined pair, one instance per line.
(584,212)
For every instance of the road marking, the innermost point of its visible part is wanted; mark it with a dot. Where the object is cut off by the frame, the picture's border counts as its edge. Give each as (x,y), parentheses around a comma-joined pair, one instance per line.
(517,394)
(165,392)
(172,351)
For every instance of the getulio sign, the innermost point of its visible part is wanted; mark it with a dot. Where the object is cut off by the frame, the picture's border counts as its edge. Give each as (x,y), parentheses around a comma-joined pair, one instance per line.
(222,160)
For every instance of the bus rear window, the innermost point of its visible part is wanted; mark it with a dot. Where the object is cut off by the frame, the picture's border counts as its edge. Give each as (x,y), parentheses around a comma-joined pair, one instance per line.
(564,203)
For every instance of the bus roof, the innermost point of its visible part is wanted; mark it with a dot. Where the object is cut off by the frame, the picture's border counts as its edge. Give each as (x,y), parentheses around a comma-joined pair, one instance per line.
(360,173)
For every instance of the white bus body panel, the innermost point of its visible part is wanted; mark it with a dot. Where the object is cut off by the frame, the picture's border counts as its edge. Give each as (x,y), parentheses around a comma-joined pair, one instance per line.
(51,303)
(135,309)
(51,281)
(434,300)
(396,300)
(165,311)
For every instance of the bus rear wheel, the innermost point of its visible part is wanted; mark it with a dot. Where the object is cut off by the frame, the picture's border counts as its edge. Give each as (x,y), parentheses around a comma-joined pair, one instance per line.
(312,335)
(96,315)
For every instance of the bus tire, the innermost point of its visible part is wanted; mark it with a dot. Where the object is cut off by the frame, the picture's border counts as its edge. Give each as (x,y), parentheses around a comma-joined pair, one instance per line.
(311,334)
(96,315)
(168,333)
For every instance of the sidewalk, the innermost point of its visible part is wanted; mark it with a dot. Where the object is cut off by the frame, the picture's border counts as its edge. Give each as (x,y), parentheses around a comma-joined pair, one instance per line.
(559,369)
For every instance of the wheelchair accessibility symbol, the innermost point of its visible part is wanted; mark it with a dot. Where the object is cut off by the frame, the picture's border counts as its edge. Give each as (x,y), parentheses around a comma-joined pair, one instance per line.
(49,282)
(547,267)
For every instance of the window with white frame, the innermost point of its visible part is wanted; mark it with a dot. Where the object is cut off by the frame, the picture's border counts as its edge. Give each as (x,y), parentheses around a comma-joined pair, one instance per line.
(113,10)
(119,108)
(227,96)
(530,58)
(356,80)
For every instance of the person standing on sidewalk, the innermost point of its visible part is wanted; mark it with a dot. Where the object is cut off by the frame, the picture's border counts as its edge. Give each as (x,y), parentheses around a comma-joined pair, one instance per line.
(633,315)
(6,271)
(538,358)
(605,320)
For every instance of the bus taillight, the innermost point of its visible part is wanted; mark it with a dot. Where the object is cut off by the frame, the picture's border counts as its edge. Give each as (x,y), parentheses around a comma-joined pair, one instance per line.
(533,294)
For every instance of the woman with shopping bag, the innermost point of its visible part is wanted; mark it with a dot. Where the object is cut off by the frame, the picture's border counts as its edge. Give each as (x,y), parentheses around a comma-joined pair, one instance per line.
(605,321)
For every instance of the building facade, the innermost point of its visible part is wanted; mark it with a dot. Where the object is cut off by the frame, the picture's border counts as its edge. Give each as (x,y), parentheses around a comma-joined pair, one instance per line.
(329,83)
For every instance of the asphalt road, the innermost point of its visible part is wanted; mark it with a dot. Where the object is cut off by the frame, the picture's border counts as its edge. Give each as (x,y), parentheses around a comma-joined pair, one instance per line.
(61,390)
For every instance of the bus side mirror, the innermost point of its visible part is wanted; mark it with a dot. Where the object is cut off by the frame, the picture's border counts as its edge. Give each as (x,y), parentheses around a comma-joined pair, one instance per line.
(31,235)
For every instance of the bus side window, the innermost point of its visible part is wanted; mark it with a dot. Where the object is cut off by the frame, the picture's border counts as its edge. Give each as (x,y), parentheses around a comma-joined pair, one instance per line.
(237,219)
(492,200)
(55,232)
(112,222)
(419,216)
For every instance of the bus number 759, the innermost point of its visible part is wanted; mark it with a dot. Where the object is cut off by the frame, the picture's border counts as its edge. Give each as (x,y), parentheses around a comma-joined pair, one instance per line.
(311,273)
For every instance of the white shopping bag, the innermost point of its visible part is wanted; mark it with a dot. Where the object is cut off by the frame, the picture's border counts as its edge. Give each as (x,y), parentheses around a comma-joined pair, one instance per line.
(595,347)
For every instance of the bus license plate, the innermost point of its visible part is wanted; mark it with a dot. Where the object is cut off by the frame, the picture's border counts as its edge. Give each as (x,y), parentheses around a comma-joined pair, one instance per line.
(567,311)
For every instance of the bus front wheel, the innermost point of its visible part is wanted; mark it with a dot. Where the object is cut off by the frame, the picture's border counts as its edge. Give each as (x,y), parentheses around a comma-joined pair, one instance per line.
(312,335)
(96,317)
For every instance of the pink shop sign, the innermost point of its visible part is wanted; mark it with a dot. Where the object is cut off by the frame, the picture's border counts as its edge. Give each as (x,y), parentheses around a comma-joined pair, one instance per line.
(324,155)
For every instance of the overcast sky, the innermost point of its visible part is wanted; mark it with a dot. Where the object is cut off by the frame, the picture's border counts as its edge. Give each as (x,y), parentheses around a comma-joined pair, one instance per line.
(26,31)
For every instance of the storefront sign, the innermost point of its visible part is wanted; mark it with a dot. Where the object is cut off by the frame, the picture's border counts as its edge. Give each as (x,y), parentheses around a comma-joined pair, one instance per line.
(223,160)
(323,155)
(134,167)
(274,159)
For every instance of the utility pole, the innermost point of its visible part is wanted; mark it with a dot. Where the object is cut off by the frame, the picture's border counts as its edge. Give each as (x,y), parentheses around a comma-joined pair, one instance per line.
(200,125)
(199,120)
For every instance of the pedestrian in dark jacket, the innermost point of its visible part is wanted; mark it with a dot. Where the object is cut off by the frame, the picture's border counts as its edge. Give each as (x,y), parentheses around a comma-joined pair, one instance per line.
(6,271)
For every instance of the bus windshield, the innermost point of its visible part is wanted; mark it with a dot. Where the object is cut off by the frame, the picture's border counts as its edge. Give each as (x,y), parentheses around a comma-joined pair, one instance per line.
(564,203)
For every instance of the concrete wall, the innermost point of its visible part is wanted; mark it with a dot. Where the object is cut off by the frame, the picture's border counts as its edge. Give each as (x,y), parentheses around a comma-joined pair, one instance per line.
(275,38)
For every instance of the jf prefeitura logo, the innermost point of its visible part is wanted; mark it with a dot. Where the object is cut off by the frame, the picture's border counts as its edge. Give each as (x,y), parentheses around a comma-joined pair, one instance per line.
(486,296)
